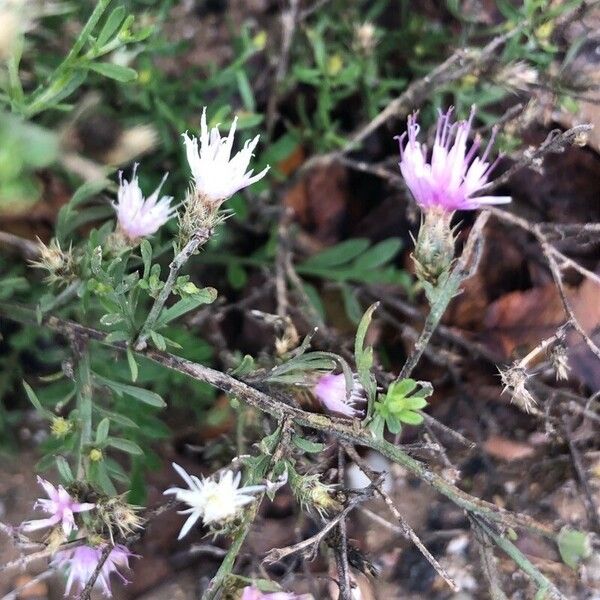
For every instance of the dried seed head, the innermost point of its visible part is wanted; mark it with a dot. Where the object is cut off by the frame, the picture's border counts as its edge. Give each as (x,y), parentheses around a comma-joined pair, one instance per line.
(59,263)
(514,379)
(365,37)
(314,495)
(518,76)
(560,361)
(117,514)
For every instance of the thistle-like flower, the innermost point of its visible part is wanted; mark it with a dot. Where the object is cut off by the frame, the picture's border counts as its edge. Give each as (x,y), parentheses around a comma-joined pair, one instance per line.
(117,514)
(454,175)
(333,395)
(59,263)
(251,592)
(212,501)
(60,506)
(81,562)
(514,379)
(217,175)
(139,217)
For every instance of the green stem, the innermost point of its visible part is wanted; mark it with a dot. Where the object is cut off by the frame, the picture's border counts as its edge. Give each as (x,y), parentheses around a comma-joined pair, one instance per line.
(49,90)
(199,238)
(83,383)
(278,444)
(522,562)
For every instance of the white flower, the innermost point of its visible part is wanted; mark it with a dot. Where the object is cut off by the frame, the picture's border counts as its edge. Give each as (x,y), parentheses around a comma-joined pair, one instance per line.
(212,500)
(217,176)
(138,217)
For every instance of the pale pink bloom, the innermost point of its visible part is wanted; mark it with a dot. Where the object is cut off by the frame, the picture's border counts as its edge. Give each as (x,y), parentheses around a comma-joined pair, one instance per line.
(453,175)
(217,175)
(211,500)
(60,506)
(332,393)
(139,217)
(253,593)
(81,562)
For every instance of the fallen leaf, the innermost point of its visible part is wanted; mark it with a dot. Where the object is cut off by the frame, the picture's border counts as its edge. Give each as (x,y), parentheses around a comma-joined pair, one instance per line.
(505,449)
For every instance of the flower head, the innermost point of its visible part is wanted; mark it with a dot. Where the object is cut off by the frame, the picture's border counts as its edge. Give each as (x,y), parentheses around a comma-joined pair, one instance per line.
(211,500)
(217,175)
(81,562)
(60,506)
(453,175)
(332,393)
(139,217)
(251,592)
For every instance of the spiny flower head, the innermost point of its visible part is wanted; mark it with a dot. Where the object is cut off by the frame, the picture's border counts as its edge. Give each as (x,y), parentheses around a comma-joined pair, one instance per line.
(212,501)
(514,379)
(59,263)
(454,175)
(139,217)
(217,175)
(333,395)
(60,506)
(81,562)
(117,514)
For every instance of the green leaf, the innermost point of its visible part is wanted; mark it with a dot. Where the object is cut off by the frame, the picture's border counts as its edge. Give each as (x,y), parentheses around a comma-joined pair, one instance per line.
(415,403)
(35,401)
(146,250)
(410,417)
(117,336)
(339,254)
(110,26)
(125,446)
(307,445)
(64,470)
(400,389)
(133,367)
(113,71)
(204,296)
(378,255)
(145,396)
(351,303)
(102,431)
(158,340)
(574,546)
(361,331)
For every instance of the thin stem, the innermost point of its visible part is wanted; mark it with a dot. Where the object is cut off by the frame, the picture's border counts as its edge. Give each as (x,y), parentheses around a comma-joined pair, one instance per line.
(342,428)
(197,240)
(56,82)
(523,562)
(83,383)
(278,447)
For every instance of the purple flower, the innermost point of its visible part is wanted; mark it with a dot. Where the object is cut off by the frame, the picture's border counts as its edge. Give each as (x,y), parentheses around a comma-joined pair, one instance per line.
(253,593)
(138,217)
(81,562)
(331,391)
(449,181)
(60,505)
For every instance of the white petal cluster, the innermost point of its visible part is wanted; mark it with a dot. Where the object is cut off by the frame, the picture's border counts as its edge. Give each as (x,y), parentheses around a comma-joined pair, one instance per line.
(210,500)
(217,175)
(139,217)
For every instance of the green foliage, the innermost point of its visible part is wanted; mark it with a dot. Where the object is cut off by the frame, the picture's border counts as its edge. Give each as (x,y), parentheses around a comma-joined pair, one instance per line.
(574,546)
(401,404)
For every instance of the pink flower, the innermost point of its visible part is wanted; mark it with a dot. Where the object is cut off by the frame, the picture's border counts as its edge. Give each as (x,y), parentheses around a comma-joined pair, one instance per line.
(452,177)
(331,391)
(138,217)
(253,593)
(81,562)
(60,506)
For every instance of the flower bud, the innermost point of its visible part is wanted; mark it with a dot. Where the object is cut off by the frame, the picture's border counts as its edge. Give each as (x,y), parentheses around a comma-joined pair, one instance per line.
(95,455)
(434,248)
(60,427)
(60,264)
